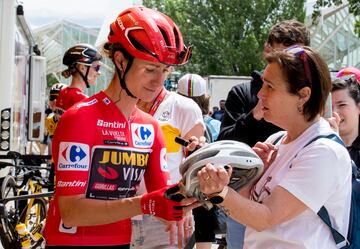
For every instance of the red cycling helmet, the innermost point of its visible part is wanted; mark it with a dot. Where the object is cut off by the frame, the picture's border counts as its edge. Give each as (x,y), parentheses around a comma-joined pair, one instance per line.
(149,35)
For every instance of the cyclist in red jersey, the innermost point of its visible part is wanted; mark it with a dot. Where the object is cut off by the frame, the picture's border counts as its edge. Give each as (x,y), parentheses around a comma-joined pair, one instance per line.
(105,145)
(83,65)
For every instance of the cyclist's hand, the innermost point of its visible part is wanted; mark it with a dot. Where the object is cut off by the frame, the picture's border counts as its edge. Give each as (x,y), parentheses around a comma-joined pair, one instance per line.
(155,203)
(185,229)
(195,143)
(171,229)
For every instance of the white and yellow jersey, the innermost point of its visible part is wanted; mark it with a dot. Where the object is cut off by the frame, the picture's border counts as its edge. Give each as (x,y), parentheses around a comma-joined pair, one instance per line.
(177,115)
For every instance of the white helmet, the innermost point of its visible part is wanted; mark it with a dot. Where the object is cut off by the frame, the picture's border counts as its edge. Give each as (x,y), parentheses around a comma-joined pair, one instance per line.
(246,165)
(55,90)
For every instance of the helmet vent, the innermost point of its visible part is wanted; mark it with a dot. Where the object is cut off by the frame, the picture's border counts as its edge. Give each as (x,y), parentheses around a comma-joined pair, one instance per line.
(140,47)
(136,44)
(166,38)
(177,40)
(226,143)
(111,31)
(243,154)
(193,159)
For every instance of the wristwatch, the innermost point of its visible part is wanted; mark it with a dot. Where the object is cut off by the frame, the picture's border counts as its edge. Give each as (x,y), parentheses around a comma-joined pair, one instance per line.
(218,198)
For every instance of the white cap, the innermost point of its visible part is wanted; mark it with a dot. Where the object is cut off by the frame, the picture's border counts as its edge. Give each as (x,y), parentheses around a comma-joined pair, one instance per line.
(192,85)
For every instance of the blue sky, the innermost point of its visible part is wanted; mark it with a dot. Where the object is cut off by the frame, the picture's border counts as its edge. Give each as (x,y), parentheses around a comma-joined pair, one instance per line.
(91,13)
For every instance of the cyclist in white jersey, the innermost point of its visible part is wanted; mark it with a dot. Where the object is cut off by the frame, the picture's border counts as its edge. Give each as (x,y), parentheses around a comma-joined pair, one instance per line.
(178,116)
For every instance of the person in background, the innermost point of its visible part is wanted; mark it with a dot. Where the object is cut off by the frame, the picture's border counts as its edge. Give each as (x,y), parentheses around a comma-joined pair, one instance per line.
(300,176)
(177,116)
(52,119)
(50,125)
(243,118)
(219,113)
(45,143)
(83,66)
(104,145)
(214,109)
(193,86)
(345,95)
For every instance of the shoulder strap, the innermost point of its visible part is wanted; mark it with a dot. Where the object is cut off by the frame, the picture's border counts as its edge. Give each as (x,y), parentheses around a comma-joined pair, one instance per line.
(277,139)
(332,136)
(339,239)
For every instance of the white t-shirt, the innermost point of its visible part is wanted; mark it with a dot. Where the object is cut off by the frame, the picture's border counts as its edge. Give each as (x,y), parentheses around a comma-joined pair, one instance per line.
(319,174)
(177,115)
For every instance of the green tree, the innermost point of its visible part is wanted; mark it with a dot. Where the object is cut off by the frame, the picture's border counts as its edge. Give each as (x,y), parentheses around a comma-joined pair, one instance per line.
(354,8)
(227,36)
(51,80)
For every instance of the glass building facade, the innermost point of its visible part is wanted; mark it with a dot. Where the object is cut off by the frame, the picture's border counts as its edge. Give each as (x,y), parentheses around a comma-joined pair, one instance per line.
(54,39)
(333,36)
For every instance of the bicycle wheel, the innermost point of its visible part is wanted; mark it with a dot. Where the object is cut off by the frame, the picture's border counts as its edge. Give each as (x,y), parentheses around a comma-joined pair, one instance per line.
(9,214)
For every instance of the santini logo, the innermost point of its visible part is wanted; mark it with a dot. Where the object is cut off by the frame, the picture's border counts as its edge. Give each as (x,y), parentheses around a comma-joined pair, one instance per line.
(74,156)
(114,124)
(74,183)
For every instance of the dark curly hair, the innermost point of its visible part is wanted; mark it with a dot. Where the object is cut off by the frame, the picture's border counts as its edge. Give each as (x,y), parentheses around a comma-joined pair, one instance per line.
(289,32)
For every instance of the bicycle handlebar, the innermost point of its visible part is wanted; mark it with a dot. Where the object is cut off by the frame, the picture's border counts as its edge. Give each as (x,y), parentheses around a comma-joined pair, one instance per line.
(30,167)
(26,197)
(16,155)
(5,164)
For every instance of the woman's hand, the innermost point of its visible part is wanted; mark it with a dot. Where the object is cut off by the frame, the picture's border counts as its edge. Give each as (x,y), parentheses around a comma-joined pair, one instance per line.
(213,179)
(266,151)
(334,122)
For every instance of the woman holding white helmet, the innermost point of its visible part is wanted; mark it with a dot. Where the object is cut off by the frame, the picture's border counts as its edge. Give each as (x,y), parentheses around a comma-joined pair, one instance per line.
(280,209)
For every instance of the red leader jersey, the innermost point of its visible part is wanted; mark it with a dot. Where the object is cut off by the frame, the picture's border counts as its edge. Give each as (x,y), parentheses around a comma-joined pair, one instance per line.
(69,96)
(100,154)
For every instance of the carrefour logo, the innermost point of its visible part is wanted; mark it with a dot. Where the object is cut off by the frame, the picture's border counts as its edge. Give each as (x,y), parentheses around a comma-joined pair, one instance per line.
(73,156)
(163,163)
(143,135)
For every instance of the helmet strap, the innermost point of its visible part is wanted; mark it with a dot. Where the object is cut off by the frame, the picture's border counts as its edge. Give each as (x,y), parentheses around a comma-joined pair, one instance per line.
(84,76)
(122,78)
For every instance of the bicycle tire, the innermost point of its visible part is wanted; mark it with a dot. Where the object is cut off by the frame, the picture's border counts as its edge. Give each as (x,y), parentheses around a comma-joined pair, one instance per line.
(8,234)
(7,187)
(31,212)
(6,241)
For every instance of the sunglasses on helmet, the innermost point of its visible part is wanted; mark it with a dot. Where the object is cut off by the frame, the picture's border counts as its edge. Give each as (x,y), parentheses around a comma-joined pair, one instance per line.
(96,67)
(301,54)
